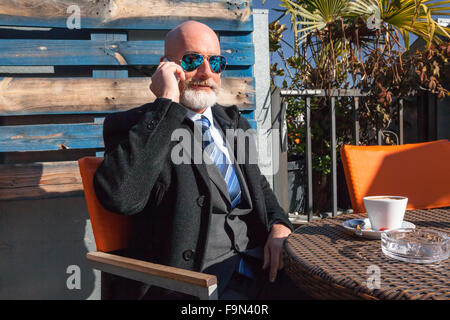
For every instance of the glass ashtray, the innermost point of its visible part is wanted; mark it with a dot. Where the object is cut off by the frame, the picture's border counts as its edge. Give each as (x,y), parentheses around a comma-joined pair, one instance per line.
(415,245)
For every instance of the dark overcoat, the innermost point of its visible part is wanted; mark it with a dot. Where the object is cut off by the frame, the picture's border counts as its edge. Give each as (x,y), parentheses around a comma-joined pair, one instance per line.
(172,201)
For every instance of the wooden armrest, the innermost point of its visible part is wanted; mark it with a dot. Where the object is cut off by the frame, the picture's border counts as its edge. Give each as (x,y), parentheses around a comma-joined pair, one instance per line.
(195,283)
(187,276)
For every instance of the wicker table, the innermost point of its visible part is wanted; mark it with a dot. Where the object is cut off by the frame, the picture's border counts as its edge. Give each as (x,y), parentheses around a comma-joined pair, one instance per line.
(329,263)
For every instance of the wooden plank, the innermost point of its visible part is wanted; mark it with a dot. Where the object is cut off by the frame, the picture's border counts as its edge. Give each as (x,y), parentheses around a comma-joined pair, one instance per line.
(51,137)
(237,37)
(20,96)
(40,180)
(109,73)
(128,14)
(162,271)
(41,52)
(109,10)
(237,91)
(175,279)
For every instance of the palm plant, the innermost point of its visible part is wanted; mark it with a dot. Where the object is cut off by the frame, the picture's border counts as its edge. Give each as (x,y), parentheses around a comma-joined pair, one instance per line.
(333,39)
(405,16)
(313,15)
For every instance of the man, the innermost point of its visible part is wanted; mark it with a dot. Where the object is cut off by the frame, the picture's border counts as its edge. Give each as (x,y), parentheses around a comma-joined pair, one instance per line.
(216,217)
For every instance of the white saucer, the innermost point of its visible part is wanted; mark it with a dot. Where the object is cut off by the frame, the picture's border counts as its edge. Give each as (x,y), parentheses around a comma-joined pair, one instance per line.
(367,232)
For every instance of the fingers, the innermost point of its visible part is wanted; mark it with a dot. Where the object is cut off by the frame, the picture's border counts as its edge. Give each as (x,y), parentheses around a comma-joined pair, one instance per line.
(273,250)
(180,73)
(281,264)
(273,258)
(266,257)
(274,261)
(173,67)
(164,81)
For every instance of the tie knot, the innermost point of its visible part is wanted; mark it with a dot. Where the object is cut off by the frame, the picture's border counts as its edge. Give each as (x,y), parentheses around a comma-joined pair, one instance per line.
(204,121)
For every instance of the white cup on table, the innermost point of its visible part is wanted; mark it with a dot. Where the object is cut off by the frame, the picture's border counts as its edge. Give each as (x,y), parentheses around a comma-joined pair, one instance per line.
(385,212)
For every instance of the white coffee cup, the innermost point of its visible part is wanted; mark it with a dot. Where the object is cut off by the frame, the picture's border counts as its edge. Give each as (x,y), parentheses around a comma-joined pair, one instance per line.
(385,212)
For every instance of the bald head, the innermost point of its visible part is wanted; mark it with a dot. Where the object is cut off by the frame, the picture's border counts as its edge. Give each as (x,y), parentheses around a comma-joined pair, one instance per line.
(198,91)
(191,36)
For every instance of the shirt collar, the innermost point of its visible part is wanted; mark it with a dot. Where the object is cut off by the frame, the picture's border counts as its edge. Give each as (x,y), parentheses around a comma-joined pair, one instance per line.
(195,116)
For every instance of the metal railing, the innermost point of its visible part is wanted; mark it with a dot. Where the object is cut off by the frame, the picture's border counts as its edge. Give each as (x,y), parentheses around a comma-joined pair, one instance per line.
(332,94)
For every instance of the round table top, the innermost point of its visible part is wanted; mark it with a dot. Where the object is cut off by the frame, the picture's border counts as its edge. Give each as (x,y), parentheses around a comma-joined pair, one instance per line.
(328,262)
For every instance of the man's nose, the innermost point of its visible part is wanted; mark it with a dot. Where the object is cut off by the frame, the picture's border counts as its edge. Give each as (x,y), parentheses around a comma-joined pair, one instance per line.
(204,70)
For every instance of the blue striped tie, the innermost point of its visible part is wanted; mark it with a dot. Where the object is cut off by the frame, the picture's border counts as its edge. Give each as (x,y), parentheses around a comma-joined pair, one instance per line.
(220,160)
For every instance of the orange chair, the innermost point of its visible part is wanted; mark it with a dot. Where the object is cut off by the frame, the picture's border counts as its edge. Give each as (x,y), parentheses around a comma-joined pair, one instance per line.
(112,232)
(419,171)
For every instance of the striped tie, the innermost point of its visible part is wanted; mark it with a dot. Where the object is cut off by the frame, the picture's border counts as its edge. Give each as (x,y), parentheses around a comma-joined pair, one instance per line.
(220,160)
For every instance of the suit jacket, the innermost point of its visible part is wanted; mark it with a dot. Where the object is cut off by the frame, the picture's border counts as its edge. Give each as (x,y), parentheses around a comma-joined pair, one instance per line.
(172,202)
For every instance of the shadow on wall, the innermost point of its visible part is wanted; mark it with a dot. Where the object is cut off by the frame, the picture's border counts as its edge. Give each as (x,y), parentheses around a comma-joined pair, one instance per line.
(40,242)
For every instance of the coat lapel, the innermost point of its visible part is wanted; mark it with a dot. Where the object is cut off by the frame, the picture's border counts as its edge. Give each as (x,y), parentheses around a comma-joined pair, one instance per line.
(196,154)
(223,122)
(249,171)
(219,181)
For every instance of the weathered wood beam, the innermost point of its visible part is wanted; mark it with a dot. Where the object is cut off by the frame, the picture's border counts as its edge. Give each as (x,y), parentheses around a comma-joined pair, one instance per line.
(109,10)
(221,14)
(41,52)
(40,180)
(96,95)
(51,137)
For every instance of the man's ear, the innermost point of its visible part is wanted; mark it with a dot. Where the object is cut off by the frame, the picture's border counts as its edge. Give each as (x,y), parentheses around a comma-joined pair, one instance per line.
(163,58)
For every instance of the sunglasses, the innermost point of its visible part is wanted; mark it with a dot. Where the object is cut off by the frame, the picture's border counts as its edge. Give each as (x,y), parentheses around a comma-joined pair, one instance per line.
(192,61)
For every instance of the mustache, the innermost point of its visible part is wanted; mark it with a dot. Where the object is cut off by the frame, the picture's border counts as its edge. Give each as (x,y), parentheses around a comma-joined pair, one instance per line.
(209,82)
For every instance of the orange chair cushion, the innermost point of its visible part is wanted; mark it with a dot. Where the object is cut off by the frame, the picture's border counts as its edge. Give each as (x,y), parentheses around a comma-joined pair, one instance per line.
(418,171)
(111,230)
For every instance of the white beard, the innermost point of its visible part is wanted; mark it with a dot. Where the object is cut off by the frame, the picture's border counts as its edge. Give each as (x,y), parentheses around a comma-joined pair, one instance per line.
(198,99)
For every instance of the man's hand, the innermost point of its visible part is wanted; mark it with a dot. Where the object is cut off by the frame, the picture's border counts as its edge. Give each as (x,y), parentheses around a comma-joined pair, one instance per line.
(164,82)
(274,248)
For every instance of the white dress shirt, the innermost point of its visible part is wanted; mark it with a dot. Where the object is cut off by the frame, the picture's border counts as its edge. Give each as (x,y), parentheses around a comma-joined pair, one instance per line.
(215,133)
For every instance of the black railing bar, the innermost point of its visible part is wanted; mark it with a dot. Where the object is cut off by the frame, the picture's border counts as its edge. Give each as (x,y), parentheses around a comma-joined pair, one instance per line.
(356,121)
(333,158)
(309,158)
(400,119)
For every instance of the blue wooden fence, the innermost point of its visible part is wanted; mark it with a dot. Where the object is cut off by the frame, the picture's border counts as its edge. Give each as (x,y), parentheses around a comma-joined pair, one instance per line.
(57,84)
